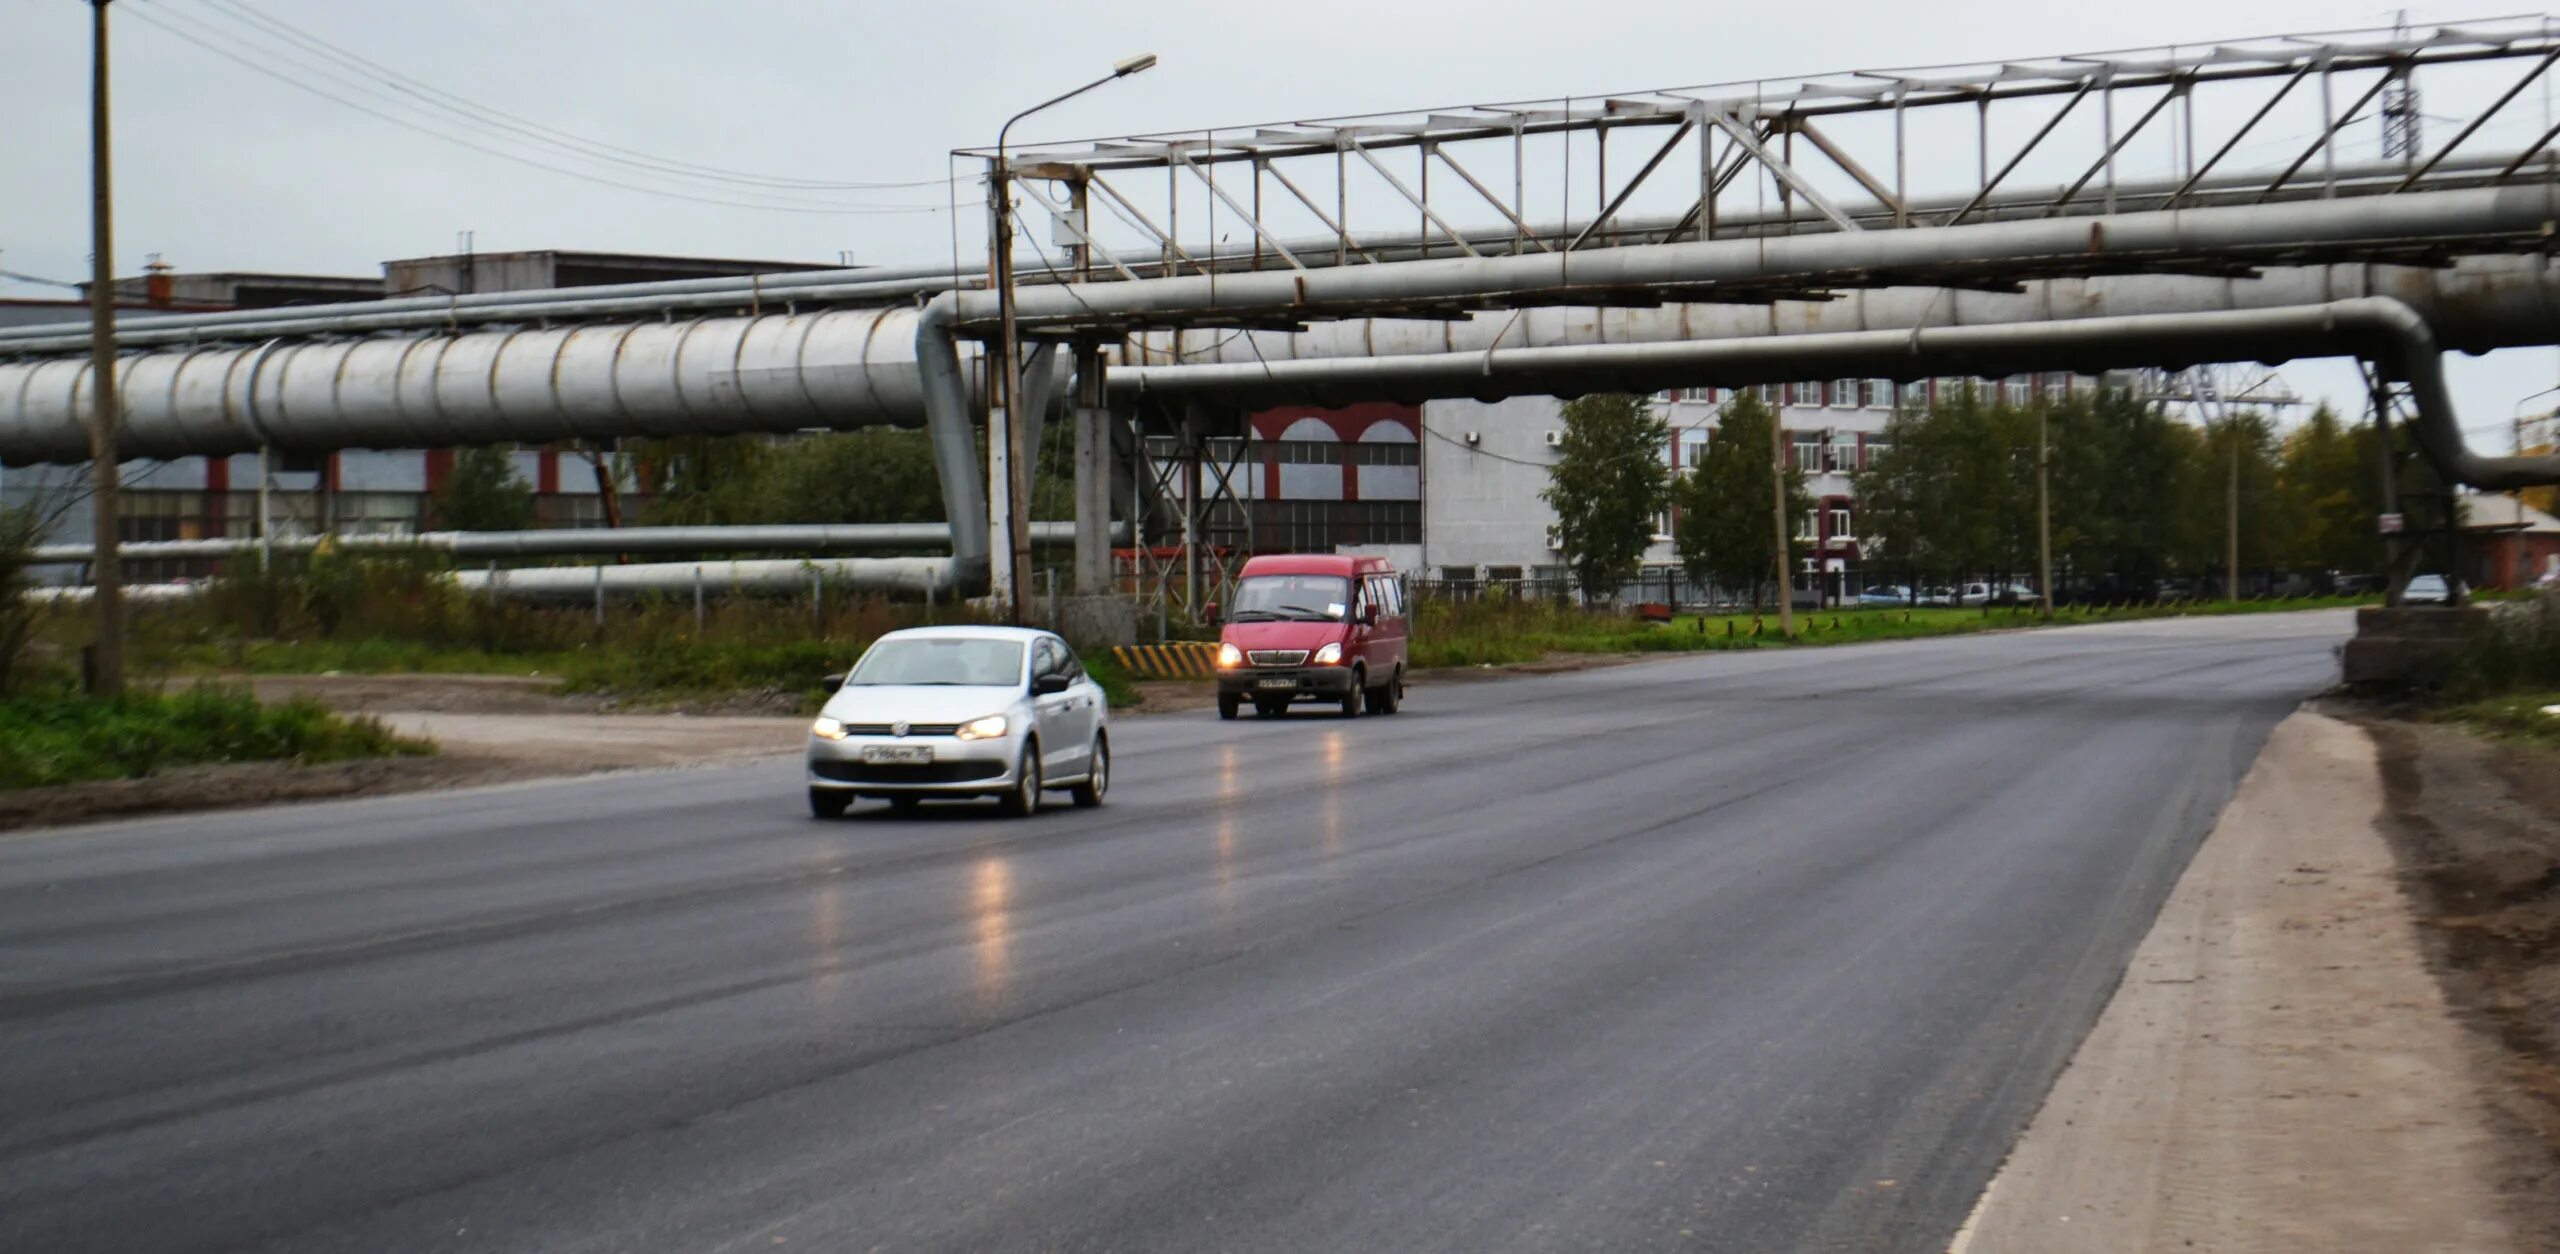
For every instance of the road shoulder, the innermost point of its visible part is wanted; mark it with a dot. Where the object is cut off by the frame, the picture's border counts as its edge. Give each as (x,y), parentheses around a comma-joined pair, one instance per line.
(2279,1069)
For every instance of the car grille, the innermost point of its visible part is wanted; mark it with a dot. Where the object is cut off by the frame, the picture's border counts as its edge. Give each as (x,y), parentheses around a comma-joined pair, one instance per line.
(1277,657)
(917,773)
(913,729)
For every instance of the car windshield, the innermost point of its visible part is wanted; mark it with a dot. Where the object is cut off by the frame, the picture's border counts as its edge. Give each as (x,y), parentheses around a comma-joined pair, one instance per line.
(940,661)
(1290,597)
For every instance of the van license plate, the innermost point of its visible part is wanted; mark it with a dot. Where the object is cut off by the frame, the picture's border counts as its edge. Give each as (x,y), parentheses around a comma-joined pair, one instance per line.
(897,755)
(1288,682)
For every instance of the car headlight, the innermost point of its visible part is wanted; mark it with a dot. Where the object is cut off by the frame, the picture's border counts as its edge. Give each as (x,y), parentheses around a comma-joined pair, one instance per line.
(1329,654)
(1229,657)
(827,729)
(988,728)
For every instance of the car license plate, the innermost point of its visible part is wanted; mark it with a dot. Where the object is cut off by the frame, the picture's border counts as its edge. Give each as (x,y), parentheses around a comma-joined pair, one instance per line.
(897,755)
(1288,682)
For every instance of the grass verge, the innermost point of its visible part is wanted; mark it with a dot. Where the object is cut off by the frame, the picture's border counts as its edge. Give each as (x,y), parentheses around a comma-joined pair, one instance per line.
(2517,716)
(63,739)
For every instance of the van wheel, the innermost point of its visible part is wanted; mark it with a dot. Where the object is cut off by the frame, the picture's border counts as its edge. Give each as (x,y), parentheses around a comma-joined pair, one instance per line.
(1351,699)
(1384,698)
(1228,705)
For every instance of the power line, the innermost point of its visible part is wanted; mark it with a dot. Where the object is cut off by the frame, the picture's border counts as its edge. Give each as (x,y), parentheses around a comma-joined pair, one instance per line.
(471,110)
(161,20)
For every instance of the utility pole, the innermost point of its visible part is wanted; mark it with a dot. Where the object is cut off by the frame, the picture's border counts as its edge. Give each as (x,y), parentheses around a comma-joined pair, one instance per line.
(1008,460)
(106,669)
(2044,511)
(1778,513)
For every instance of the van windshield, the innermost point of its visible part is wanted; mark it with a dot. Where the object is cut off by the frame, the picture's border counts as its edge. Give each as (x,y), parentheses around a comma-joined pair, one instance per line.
(1312,598)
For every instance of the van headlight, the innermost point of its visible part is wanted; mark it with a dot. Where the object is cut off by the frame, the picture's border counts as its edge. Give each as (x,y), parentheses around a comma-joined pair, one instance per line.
(989,728)
(1330,654)
(827,728)
(1229,657)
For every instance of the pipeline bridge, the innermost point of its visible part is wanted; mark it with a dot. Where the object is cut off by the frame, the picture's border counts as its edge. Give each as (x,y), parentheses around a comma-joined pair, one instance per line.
(2253,200)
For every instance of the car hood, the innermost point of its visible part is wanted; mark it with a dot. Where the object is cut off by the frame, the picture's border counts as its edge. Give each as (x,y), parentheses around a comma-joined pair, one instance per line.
(927,704)
(1281,635)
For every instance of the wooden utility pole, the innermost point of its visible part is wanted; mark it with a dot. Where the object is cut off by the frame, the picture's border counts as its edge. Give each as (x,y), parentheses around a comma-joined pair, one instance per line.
(106,667)
(1778,512)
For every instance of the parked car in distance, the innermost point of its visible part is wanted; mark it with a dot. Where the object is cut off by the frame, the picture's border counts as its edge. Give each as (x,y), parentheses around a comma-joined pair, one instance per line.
(1884,598)
(2427,590)
(1003,712)
(1937,596)
(1317,627)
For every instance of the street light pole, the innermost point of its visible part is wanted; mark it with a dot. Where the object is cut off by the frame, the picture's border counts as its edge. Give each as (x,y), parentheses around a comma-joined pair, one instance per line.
(1008,460)
(106,669)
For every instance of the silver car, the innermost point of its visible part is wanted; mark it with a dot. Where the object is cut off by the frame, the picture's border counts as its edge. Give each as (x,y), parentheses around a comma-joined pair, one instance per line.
(1003,712)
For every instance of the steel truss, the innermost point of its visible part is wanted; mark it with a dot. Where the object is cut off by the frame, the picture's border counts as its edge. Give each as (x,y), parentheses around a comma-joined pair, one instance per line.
(2117,132)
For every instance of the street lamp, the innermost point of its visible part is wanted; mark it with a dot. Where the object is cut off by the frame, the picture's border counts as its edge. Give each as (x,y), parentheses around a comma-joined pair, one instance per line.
(1009,490)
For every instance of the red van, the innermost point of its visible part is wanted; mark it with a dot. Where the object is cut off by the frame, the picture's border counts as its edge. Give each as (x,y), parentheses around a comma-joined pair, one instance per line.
(1312,628)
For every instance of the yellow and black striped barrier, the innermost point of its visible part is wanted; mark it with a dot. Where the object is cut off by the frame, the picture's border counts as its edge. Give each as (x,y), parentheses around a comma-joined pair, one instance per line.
(1177,659)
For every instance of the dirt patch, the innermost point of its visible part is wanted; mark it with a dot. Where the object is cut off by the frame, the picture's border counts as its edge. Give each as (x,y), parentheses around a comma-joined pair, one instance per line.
(233,785)
(2280,1069)
(475,748)
(2476,826)
(498,694)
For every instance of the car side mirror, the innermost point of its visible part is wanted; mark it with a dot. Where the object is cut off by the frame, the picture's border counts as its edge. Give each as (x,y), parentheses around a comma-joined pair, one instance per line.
(1049,685)
(1213,614)
(831,683)
(1369,614)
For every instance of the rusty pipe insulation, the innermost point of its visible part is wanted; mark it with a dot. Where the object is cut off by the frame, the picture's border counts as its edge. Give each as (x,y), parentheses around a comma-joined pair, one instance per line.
(2380,328)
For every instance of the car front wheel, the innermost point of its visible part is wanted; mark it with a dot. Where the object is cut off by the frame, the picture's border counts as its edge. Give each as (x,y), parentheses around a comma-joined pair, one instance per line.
(1024,800)
(827,803)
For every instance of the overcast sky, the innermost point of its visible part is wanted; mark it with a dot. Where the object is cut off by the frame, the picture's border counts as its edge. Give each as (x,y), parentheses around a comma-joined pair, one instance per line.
(221,167)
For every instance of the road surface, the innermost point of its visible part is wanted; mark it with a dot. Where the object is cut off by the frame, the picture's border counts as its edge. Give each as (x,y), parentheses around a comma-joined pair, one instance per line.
(1748,952)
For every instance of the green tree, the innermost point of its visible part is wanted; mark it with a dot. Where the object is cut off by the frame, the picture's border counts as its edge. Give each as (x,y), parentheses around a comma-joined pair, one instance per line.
(1607,487)
(1724,531)
(484,493)
(2328,481)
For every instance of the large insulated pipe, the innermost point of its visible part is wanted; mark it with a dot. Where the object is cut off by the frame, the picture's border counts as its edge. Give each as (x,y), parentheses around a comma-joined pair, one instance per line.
(934,576)
(2385,330)
(779,538)
(844,368)
(899,285)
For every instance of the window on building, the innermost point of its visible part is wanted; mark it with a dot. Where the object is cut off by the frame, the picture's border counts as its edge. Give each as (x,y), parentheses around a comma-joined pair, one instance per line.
(1915,394)
(1767,394)
(1877,446)
(2019,390)
(1808,451)
(1804,393)
(2057,387)
(1844,451)
(1949,390)
(1845,393)
(1879,393)
(1840,523)
(1804,526)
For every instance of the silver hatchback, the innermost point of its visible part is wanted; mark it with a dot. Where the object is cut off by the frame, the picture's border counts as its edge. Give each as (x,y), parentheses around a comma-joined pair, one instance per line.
(1003,712)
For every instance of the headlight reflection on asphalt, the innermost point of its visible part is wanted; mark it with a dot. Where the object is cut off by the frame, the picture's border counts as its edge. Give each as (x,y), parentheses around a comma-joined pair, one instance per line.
(991,925)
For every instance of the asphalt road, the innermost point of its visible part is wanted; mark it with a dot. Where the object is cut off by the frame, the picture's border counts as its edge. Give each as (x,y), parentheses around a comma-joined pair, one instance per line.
(1736,952)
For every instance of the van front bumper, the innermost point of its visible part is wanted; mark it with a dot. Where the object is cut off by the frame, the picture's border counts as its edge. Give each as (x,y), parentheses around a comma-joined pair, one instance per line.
(1292,682)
